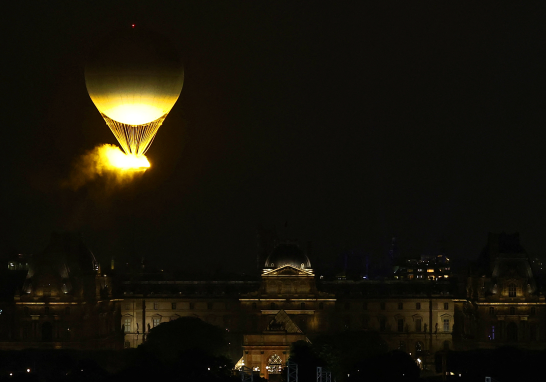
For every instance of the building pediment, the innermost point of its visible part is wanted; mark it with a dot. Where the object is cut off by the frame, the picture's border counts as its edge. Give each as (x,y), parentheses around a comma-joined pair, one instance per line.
(288,270)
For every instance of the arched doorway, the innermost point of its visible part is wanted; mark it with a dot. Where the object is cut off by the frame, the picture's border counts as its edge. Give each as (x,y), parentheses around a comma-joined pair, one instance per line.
(512,332)
(47,331)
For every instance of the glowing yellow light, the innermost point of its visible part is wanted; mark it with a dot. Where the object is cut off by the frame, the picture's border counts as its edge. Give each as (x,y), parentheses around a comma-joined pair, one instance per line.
(135,113)
(112,157)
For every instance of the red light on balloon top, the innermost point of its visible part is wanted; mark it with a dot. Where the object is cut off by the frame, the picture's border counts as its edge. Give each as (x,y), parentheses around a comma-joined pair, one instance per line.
(132,25)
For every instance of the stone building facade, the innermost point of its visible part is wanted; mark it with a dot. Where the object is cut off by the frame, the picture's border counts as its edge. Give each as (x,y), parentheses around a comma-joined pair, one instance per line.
(416,316)
(62,301)
(504,304)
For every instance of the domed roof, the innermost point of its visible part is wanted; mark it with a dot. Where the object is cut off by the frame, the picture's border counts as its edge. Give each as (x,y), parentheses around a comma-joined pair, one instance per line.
(63,263)
(287,254)
(134,76)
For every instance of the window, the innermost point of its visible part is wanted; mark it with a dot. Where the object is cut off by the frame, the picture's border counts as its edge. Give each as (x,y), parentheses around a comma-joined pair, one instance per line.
(430,270)
(347,305)
(382,305)
(400,323)
(446,324)
(410,277)
(491,311)
(46,310)
(512,290)
(67,310)
(173,305)
(492,336)
(253,306)
(127,344)
(512,310)
(156,305)
(533,311)
(364,306)
(400,305)
(302,305)
(321,305)
(127,325)
(382,324)
(418,325)
(209,305)
(446,305)
(192,305)
(156,321)
(273,305)
(127,306)
(418,305)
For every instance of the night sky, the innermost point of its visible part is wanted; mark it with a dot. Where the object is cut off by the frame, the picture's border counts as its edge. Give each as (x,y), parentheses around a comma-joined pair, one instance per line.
(340,126)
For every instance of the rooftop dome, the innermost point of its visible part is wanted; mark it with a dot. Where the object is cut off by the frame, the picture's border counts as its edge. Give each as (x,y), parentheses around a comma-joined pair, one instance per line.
(287,254)
(62,264)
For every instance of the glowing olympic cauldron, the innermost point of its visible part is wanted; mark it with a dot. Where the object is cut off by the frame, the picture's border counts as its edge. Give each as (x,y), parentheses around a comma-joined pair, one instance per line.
(134,78)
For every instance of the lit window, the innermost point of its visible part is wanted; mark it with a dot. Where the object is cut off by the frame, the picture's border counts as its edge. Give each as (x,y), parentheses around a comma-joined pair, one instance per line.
(430,270)
(410,277)
(127,325)
(512,290)
(446,324)
(156,321)
(420,270)
(410,270)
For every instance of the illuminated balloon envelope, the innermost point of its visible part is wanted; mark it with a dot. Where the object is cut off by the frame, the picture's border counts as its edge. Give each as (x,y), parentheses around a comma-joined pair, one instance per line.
(134,78)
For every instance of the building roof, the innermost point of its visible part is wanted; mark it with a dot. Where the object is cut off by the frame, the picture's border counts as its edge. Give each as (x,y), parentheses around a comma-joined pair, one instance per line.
(287,254)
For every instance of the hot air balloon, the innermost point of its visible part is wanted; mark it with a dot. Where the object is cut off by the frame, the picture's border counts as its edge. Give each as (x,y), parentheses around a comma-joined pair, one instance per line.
(134,78)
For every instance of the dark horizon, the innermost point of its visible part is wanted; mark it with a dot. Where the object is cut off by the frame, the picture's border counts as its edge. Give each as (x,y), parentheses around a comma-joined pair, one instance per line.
(352,124)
